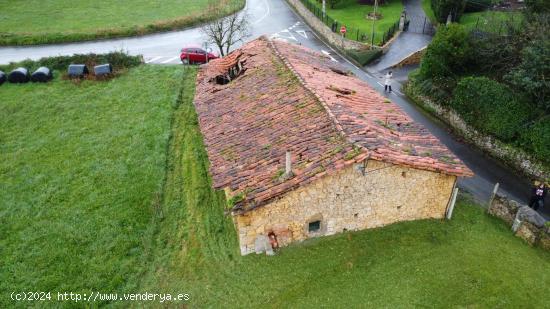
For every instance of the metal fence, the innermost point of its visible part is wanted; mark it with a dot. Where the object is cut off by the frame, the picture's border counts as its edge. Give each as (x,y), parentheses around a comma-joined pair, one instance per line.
(352,33)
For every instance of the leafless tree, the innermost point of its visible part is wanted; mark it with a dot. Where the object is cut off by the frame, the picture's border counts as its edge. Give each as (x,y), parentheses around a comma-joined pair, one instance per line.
(227,31)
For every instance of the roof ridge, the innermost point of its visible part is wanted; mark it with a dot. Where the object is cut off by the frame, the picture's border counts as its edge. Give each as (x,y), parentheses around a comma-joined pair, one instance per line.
(335,122)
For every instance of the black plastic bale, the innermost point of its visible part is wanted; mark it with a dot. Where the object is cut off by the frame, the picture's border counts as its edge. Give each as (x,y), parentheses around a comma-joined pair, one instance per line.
(3,77)
(103,69)
(77,70)
(42,75)
(19,76)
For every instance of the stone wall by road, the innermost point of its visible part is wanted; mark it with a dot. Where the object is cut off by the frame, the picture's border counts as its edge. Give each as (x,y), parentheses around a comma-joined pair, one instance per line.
(349,200)
(413,58)
(531,229)
(319,27)
(513,156)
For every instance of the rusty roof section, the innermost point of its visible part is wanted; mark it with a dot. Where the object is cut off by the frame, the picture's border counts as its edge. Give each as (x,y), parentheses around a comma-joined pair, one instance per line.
(281,97)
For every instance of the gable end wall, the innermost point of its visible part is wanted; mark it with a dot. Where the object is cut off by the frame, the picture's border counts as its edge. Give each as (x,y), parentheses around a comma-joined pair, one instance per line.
(350,201)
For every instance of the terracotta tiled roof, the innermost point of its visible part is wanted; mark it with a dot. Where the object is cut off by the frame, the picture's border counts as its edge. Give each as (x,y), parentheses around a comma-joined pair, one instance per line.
(288,98)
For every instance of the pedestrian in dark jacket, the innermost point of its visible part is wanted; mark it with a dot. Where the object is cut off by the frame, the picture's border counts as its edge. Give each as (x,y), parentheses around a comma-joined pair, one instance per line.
(537,196)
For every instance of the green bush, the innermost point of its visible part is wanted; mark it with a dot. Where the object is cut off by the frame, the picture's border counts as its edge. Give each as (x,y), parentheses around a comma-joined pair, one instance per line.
(536,139)
(448,55)
(490,107)
(442,8)
(365,56)
(119,60)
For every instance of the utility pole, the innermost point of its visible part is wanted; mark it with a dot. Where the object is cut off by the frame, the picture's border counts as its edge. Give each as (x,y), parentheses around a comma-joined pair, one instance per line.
(373,21)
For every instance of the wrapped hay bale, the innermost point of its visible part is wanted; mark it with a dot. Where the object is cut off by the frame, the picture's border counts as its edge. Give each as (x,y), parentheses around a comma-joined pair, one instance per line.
(77,70)
(103,69)
(42,75)
(19,76)
(3,77)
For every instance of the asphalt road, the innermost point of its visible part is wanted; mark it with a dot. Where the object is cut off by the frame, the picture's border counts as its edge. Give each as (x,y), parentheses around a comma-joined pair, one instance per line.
(276,19)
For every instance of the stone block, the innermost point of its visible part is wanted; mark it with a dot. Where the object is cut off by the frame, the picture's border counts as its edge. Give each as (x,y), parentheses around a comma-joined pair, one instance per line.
(528,232)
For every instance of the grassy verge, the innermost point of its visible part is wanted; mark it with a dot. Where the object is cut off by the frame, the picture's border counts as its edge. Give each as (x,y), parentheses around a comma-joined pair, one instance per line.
(55,21)
(471,261)
(81,169)
(353,15)
(427,7)
(491,21)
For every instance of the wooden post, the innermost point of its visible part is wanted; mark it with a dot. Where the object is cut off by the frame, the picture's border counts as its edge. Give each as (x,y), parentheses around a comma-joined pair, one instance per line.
(452,205)
(495,190)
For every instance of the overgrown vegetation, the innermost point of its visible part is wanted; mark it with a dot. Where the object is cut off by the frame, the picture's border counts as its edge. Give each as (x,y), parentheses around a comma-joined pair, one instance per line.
(365,56)
(81,172)
(497,81)
(54,21)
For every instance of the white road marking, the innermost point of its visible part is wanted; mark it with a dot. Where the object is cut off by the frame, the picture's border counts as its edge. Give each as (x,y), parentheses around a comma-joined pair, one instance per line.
(265,15)
(170,60)
(328,55)
(302,33)
(153,59)
(380,84)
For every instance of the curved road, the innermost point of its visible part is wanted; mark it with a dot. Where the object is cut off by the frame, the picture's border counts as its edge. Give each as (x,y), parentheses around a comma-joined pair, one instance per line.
(276,19)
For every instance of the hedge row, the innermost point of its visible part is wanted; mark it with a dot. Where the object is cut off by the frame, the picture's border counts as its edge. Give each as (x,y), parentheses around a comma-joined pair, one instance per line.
(119,60)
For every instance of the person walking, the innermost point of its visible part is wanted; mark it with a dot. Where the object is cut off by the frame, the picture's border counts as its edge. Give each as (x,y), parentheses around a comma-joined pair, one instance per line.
(537,196)
(387,81)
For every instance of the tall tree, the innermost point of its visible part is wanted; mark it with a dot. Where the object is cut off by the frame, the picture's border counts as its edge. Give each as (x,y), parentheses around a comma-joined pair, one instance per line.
(227,31)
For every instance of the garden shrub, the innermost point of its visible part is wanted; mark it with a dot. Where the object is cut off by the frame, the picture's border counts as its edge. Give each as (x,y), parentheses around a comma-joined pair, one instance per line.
(490,107)
(536,139)
(442,8)
(448,55)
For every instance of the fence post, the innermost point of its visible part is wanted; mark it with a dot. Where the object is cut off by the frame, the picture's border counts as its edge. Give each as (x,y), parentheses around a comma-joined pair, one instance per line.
(357,34)
(424,25)
(477,22)
(452,205)
(495,190)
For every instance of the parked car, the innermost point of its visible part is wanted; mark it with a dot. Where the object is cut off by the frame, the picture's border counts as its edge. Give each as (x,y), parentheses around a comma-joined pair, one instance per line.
(192,55)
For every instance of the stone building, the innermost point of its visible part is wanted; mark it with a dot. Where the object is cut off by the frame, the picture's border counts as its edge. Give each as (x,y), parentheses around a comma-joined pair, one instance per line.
(303,148)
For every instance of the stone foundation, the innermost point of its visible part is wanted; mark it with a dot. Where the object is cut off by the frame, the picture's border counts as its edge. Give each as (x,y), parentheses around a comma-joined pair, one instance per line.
(349,200)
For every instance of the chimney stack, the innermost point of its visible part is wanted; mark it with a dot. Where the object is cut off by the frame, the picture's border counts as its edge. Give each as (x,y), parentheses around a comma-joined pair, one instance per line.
(288,166)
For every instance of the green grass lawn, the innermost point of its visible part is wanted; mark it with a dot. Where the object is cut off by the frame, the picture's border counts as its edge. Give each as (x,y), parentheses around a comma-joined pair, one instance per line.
(490,20)
(81,174)
(427,7)
(353,16)
(38,21)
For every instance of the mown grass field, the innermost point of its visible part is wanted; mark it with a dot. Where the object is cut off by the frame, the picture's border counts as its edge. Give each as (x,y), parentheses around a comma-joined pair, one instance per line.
(105,187)
(81,173)
(353,15)
(53,21)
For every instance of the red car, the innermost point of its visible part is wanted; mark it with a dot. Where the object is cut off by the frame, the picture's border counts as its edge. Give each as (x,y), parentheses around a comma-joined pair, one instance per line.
(192,55)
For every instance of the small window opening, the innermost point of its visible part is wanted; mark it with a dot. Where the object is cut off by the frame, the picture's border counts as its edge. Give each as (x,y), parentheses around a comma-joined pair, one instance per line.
(314,226)
(356,215)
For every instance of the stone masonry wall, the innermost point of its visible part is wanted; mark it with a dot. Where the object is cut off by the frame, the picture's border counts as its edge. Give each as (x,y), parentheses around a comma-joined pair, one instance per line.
(507,210)
(349,200)
(413,58)
(319,27)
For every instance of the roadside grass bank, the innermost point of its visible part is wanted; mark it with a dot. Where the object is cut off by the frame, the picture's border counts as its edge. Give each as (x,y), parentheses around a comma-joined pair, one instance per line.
(35,22)
(427,7)
(470,261)
(81,169)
